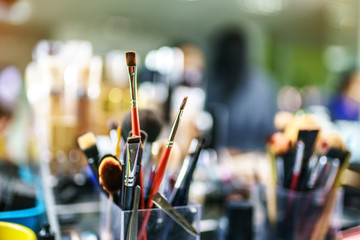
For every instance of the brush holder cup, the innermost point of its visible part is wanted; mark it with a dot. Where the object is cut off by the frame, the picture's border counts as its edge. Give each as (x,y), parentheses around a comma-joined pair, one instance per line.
(283,214)
(115,222)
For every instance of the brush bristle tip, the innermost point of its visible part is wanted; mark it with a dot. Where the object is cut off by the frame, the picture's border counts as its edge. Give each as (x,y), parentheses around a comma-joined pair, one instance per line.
(87,140)
(183,103)
(130,58)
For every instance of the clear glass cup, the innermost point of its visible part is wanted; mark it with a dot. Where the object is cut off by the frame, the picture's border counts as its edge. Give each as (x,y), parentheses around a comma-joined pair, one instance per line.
(160,226)
(283,214)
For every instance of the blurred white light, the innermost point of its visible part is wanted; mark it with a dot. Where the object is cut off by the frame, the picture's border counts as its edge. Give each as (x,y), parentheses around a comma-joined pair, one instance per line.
(165,60)
(289,99)
(157,92)
(177,70)
(19,12)
(45,48)
(10,86)
(70,75)
(204,121)
(95,74)
(80,51)
(150,60)
(337,58)
(266,7)
(116,67)
(195,95)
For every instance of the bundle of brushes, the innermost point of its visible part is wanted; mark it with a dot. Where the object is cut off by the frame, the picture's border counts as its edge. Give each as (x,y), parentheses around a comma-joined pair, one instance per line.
(122,179)
(305,160)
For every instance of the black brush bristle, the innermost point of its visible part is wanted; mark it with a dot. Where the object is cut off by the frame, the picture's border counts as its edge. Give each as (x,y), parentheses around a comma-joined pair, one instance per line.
(150,121)
(134,139)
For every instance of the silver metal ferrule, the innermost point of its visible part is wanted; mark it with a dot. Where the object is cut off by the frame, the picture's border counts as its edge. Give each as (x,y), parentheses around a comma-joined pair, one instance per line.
(132,155)
(133,103)
(170,144)
(132,83)
(175,127)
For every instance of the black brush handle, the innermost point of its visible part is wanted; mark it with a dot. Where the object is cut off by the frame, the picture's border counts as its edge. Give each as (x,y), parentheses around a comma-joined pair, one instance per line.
(129,196)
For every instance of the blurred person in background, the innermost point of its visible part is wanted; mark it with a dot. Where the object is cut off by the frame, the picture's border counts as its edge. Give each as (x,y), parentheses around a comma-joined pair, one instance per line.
(241,97)
(345,104)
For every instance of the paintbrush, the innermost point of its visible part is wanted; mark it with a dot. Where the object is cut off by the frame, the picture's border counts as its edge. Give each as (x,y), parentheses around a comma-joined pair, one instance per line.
(161,169)
(87,144)
(131,63)
(322,225)
(165,157)
(135,123)
(309,137)
(132,163)
(179,196)
(110,172)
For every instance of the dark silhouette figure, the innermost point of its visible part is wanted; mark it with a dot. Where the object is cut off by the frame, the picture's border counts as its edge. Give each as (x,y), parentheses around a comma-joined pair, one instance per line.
(241,98)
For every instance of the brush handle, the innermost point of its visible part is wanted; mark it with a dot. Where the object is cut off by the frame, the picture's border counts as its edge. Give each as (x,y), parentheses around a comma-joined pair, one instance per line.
(142,197)
(294,182)
(129,196)
(155,188)
(135,123)
(135,127)
(159,176)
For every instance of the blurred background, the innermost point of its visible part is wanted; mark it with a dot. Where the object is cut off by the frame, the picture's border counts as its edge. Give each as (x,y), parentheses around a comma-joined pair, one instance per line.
(246,65)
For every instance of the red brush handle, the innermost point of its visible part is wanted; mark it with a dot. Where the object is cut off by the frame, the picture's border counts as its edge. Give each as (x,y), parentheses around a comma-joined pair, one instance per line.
(142,199)
(294,182)
(135,124)
(155,188)
(159,176)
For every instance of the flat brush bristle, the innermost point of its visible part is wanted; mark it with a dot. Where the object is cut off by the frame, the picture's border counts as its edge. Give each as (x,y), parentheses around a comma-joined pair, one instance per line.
(183,103)
(130,58)
(134,139)
(110,173)
(86,141)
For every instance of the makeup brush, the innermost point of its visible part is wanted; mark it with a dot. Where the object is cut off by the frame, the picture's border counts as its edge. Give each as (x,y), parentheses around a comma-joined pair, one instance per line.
(309,136)
(87,144)
(162,167)
(110,172)
(151,124)
(135,123)
(131,63)
(165,157)
(132,163)
(117,147)
(133,228)
(300,147)
(180,194)
(150,121)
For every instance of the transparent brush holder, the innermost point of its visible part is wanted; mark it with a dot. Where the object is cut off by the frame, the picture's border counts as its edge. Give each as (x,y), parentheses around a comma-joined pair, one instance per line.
(115,222)
(283,214)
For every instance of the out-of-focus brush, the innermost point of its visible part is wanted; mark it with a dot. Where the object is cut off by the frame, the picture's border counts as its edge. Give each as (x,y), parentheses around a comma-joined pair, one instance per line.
(110,172)
(179,196)
(87,144)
